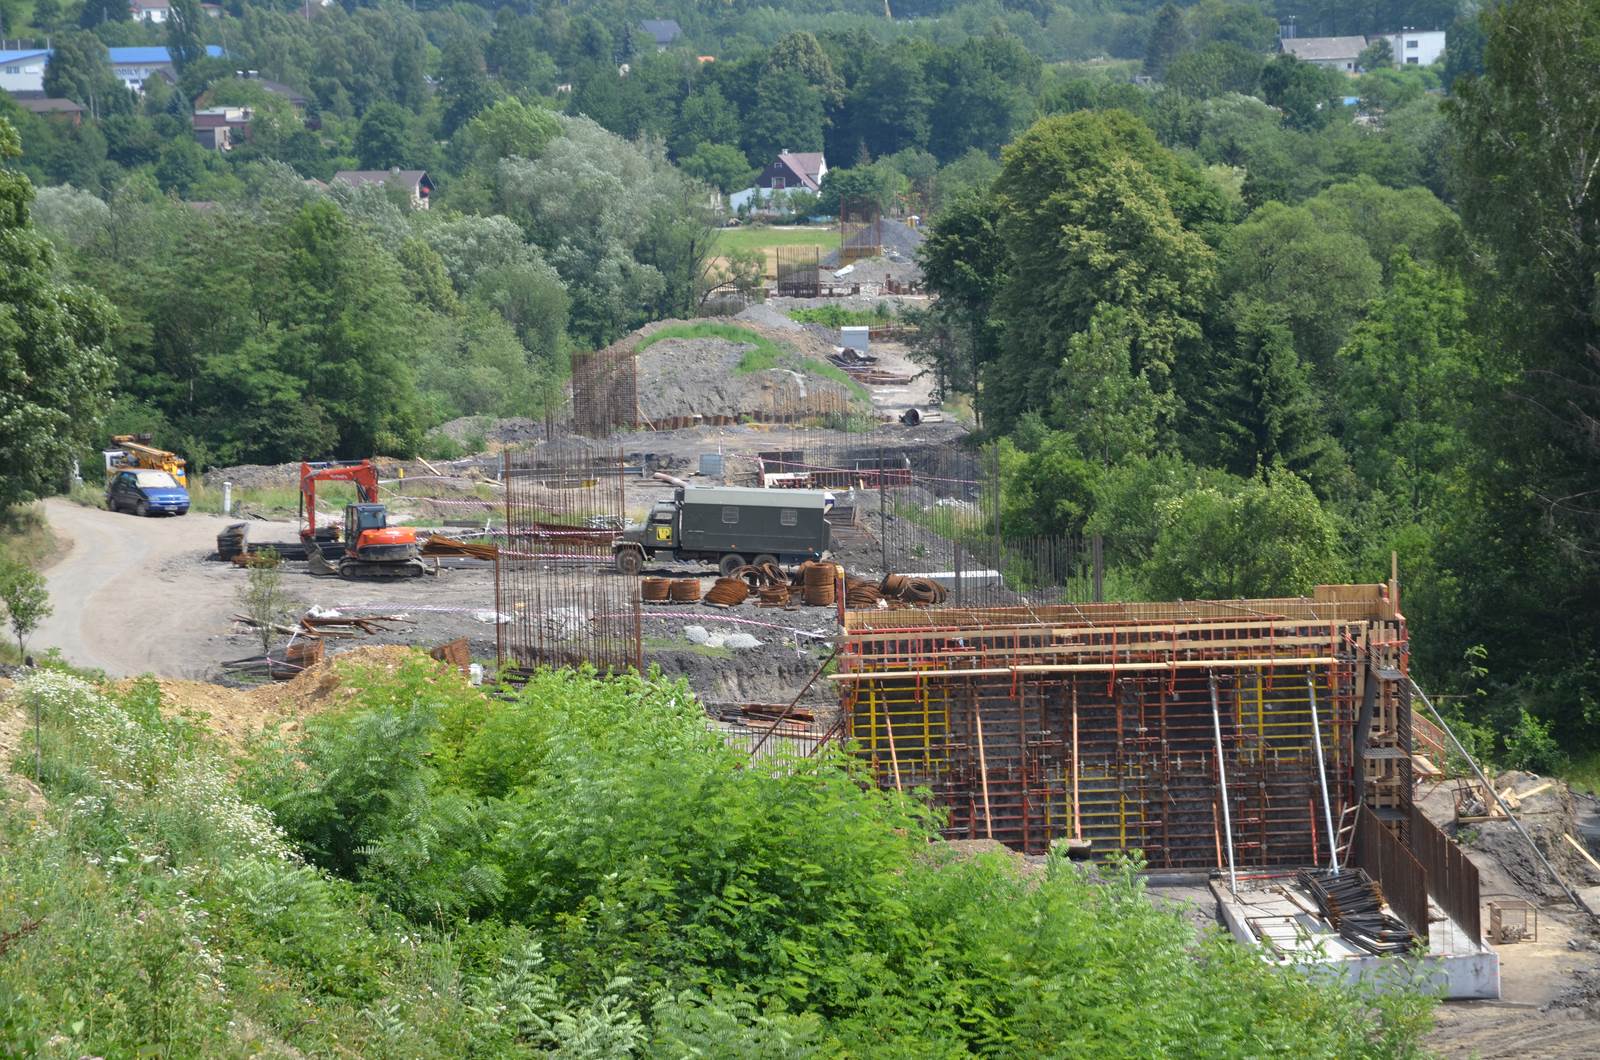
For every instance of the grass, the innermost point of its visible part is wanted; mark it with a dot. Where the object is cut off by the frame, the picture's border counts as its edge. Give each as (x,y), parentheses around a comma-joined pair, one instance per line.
(760,237)
(834,316)
(25,535)
(1584,773)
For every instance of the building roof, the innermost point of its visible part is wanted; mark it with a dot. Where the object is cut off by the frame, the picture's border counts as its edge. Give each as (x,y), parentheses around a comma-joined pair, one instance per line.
(278,88)
(25,53)
(664,30)
(149,4)
(50,106)
(151,56)
(805,165)
(1313,49)
(358,177)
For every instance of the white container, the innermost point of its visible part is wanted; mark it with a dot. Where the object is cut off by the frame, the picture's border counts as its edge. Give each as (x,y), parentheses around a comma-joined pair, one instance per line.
(854,338)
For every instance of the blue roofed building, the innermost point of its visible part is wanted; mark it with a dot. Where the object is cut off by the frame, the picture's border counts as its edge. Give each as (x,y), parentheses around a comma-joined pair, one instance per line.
(22,71)
(135,66)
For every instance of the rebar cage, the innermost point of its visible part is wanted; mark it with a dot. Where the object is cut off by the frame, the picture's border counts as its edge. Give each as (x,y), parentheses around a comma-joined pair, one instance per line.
(560,600)
(1096,721)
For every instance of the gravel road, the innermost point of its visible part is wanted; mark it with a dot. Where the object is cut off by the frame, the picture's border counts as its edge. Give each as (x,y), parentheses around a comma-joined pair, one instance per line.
(133,595)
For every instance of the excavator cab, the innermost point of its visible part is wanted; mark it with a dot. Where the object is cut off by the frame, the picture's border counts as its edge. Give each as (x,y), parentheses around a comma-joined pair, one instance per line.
(369,539)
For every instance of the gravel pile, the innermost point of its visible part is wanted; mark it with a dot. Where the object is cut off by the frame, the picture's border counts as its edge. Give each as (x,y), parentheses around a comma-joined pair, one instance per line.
(767,316)
(700,377)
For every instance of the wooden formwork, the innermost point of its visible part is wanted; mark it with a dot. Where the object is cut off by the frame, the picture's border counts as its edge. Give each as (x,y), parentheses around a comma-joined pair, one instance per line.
(1096,721)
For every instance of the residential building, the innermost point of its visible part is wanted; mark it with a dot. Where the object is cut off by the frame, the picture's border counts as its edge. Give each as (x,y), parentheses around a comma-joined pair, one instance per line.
(135,66)
(790,170)
(665,31)
(149,10)
(61,109)
(1414,47)
(221,128)
(414,182)
(22,70)
(1336,53)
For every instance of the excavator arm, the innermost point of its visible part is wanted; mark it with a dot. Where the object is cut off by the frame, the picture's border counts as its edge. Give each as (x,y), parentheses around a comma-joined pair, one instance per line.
(360,472)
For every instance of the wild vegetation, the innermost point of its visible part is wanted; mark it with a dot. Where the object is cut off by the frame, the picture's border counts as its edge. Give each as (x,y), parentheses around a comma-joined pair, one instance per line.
(582,869)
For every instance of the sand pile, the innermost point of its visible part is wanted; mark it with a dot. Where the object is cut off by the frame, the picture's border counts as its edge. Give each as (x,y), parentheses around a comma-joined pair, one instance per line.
(237,715)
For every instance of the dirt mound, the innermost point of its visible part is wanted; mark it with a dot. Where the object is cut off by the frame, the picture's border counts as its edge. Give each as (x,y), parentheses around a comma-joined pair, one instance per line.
(238,714)
(686,377)
(1544,805)
(765,315)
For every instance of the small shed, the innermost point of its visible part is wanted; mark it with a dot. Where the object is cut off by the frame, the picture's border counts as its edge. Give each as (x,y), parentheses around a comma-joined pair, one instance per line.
(854,338)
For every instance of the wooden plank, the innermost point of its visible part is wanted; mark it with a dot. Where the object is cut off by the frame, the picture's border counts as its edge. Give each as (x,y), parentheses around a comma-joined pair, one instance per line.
(1580,848)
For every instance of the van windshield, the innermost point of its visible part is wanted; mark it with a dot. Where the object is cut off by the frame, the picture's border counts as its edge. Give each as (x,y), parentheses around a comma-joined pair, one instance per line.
(159,479)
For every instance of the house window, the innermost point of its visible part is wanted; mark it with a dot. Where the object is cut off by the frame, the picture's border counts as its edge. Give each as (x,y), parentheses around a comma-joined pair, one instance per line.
(777,183)
(730,515)
(13,69)
(788,517)
(1410,44)
(1411,60)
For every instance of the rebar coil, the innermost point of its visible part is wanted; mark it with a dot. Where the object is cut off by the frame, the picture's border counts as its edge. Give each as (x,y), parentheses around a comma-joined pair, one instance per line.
(685,590)
(727,592)
(773,595)
(817,584)
(893,584)
(655,590)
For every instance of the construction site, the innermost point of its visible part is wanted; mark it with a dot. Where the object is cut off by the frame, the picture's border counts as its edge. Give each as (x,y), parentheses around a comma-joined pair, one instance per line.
(1269,763)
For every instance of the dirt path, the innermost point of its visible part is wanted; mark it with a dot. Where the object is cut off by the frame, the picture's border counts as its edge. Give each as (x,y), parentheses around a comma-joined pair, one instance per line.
(133,595)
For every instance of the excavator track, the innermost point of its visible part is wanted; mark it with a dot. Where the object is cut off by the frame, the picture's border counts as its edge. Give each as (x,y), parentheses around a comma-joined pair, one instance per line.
(355,568)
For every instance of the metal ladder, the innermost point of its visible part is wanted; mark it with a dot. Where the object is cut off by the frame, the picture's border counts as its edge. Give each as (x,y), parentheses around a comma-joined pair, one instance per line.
(1347,832)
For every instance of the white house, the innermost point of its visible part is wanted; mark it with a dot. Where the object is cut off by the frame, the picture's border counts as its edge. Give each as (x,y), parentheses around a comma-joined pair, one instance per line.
(149,10)
(1414,47)
(23,70)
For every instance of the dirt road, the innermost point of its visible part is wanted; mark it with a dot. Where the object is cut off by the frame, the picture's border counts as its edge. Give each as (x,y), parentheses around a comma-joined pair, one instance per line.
(133,595)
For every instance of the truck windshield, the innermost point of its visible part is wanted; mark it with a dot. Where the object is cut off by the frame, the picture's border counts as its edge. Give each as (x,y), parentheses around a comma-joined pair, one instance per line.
(158,479)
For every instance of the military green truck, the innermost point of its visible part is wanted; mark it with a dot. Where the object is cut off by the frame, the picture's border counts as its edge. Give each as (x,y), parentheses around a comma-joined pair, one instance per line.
(729,526)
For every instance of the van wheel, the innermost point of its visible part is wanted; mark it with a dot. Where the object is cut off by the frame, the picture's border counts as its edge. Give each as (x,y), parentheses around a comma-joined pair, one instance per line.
(629,561)
(141,509)
(730,563)
(764,559)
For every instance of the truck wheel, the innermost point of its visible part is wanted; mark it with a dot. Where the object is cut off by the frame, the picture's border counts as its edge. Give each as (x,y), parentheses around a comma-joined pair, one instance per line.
(629,561)
(764,559)
(730,563)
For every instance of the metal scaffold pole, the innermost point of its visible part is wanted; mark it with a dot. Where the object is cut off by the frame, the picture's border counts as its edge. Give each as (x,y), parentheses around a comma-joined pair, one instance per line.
(1222,782)
(1322,776)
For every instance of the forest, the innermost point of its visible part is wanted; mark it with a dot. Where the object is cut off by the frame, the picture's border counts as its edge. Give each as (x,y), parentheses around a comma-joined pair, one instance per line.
(1255,322)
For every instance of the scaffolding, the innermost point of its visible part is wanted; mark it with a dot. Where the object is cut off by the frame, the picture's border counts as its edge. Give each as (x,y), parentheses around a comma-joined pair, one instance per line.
(1095,721)
(560,600)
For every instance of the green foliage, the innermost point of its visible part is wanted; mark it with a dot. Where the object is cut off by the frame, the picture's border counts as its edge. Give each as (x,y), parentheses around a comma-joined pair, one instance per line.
(1530,746)
(617,880)
(54,373)
(834,316)
(1265,537)
(24,597)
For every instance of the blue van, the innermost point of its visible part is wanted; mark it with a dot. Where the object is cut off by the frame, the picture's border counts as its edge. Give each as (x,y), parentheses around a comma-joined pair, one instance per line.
(144,491)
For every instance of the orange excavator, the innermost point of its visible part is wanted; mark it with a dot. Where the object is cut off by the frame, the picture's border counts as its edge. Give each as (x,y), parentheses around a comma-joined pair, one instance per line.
(372,548)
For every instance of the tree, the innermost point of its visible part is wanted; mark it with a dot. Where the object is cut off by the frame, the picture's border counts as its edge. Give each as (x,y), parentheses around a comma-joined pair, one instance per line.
(383,140)
(1524,545)
(722,166)
(1264,537)
(963,260)
(1090,214)
(1379,55)
(184,41)
(1098,400)
(1305,92)
(1283,256)
(1168,37)
(262,598)
(787,116)
(467,89)
(98,12)
(25,598)
(80,70)
(55,375)
(1215,70)
(1406,382)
